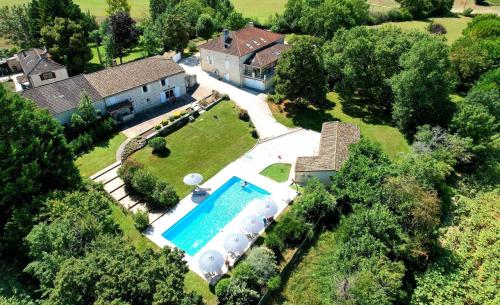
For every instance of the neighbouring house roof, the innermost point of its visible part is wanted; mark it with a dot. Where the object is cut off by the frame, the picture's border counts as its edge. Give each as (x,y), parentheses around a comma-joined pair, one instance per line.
(333,150)
(131,75)
(267,56)
(62,96)
(37,61)
(242,42)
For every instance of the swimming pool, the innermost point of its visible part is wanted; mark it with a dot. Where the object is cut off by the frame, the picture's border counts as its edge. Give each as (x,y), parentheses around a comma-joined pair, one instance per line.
(201,224)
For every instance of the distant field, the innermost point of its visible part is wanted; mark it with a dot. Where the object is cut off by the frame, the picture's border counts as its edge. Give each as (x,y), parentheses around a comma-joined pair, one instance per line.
(454,26)
(259,9)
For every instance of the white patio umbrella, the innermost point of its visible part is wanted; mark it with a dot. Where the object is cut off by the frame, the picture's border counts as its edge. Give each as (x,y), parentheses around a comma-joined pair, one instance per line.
(266,207)
(252,224)
(193,179)
(236,243)
(211,261)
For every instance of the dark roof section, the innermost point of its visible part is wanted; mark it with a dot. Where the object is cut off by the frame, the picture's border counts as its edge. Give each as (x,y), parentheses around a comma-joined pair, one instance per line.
(248,39)
(63,95)
(333,148)
(37,61)
(267,56)
(131,75)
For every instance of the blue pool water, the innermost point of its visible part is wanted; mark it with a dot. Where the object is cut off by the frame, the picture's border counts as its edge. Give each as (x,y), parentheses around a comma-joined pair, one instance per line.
(205,221)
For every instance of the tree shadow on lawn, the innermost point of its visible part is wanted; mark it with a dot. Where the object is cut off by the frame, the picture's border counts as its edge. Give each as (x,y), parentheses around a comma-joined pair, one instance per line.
(162,153)
(307,117)
(367,111)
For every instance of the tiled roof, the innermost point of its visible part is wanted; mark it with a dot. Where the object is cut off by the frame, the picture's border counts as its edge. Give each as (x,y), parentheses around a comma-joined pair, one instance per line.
(131,75)
(267,56)
(248,39)
(63,95)
(334,148)
(37,61)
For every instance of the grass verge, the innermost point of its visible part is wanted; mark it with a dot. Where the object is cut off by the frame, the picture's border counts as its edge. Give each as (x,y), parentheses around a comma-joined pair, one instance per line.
(279,172)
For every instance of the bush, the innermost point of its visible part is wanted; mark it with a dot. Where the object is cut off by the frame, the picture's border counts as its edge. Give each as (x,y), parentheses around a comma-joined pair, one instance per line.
(82,144)
(254,133)
(243,115)
(158,127)
(274,242)
(274,283)
(467,12)
(143,182)
(177,114)
(245,273)
(127,170)
(141,220)
(165,122)
(164,196)
(291,229)
(221,287)
(158,144)
(171,118)
(263,263)
(192,47)
(436,28)
(237,292)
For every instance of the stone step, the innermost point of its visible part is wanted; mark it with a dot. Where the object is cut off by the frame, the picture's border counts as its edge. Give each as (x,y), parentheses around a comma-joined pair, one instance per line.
(119,193)
(127,202)
(113,185)
(154,216)
(108,176)
(105,170)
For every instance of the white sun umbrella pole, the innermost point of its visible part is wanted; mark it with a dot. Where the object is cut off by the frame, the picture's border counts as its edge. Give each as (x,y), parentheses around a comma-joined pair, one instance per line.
(266,207)
(211,261)
(236,243)
(193,179)
(252,225)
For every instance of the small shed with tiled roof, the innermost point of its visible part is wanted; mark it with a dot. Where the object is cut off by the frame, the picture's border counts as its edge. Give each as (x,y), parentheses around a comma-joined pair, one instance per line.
(333,152)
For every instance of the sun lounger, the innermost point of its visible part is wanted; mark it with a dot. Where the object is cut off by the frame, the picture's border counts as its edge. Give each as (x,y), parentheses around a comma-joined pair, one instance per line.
(201,191)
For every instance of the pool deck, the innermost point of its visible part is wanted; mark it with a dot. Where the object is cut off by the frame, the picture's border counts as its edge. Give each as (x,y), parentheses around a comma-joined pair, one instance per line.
(282,149)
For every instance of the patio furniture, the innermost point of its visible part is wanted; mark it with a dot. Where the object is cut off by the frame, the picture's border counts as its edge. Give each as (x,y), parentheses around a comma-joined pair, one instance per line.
(211,262)
(199,191)
(266,207)
(236,243)
(252,225)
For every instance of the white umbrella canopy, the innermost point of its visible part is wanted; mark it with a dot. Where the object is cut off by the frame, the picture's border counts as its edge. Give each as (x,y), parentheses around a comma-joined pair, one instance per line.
(252,224)
(266,207)
(211,261)
(236,243)
(193,179)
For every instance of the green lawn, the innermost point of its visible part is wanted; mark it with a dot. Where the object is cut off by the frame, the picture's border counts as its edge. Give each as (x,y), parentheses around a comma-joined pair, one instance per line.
(102,155)
(454,26)
(391,140)
(205,146)
(259,9)
(279,172)
(308,283)
(95,65)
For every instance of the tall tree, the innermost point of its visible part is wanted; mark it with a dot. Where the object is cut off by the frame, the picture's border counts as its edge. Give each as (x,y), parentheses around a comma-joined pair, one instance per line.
(43,12)
(158,7)
(13,26)
(205,26)
(117,6)
(235,21)
(27,171)
(421,90)
(152,38)
(300,72)
(67,43)
(426,8)
(175,32)
(123,32)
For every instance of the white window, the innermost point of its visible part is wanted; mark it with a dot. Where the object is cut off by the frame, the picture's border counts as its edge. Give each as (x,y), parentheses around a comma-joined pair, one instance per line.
(227,64)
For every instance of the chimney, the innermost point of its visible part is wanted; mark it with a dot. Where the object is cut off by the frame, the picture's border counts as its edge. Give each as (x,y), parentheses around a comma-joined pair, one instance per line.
(226,37)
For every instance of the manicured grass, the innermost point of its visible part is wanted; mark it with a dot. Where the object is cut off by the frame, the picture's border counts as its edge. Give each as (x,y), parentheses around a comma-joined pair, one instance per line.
(95,65)
(139,8)
(308,283)
(259,9)
(454,26)
(192,282)
(102,155)
(279,172)
(391,140)
(205,146)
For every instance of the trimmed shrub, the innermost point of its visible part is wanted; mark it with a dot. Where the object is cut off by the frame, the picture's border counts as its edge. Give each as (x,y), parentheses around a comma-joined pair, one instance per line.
(158,127)
(165,122)
(141,220)
(171,118)
(436,28)
(467,12)
(143,182)
(158,144)
(164,196)
(243,115)
(127,170)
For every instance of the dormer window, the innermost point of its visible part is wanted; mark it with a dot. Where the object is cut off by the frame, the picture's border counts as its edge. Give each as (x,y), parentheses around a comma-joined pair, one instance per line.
(47,75)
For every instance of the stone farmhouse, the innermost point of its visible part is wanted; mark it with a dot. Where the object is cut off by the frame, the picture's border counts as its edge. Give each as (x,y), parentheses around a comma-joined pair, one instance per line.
(244,58)
(121,91)
(333,152)
(37,67)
